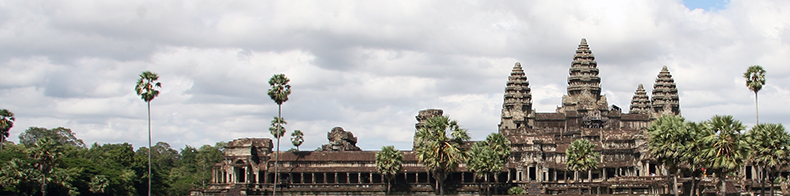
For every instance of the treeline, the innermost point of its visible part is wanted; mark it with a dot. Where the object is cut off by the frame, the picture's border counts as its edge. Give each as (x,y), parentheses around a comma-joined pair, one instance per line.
(59,163)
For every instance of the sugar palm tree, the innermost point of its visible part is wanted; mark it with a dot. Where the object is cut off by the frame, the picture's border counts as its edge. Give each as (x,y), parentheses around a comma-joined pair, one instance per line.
(389,162)
(726,148)
(667,141)
(297,138)
(439,147)
(279,91)
(755,79)
(487,158)
(46,154)
(693,155)
(277,130)
(581,156)
(769,145)
(146,88)
(6,122)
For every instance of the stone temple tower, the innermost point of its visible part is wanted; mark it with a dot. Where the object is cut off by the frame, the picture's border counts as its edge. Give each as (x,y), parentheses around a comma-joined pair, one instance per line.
(518,100)
(584,85)
(640,103)
(665,95)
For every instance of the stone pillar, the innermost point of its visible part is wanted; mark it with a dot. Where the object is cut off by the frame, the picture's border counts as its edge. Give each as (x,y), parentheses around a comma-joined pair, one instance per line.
(555,175)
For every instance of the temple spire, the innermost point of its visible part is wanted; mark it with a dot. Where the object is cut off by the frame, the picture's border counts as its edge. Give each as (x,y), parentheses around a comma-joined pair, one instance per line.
(665,95)
(640,103)
(584,85)
(518,100)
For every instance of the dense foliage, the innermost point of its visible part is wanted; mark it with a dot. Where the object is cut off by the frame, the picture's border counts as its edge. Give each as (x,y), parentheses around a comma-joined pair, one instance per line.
(64,168)
(439,147)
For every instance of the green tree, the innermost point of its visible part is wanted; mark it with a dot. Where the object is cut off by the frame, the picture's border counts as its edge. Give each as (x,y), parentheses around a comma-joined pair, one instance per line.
(727,149)
(277,130)
(389,162)
(769,145)
(581,156)
(60,135)
(488,158)
(46,154)
(146,88)
(206,158)
(667,142)
(755,79)
(439,147)
(99,184)
(297,138)
(279,91)
(516,191)
(18,177)
(694,153)
(6,122)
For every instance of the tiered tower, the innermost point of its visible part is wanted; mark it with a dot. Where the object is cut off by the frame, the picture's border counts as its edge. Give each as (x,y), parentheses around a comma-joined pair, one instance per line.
(665,95)
(584,85)
(640,103)
(518,100)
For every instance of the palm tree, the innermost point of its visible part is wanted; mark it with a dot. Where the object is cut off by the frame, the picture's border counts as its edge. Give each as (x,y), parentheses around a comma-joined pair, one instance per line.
(667,141)
(581,156)
(769,145)
(46,154)
(277,130)
(279,91)
(439,152)
(755,79)
(6,122)
(692,155)
(297,138)
(726,148)
(488,157)
(146,88)
(389,162)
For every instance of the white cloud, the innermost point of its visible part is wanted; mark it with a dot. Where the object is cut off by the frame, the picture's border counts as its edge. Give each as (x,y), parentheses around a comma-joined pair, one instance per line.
(366,66)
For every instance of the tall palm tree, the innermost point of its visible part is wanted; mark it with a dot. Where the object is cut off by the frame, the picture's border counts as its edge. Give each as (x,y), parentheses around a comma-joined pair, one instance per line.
(6,122)
(146,88)
(726,148)
(667,141)
(389,162)
(297,138)
(581,156)
(769,148)
(439,152)
(277,130)
(279,91)
(755,79)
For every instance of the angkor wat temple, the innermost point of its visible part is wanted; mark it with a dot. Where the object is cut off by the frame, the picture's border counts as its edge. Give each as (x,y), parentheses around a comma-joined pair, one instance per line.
(538,139)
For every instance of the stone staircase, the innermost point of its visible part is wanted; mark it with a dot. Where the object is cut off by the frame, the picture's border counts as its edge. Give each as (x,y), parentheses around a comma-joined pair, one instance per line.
(237,190)
(533,188)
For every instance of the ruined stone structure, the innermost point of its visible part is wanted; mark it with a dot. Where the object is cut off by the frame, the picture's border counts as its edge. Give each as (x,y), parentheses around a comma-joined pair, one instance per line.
(340,140)
(538,139)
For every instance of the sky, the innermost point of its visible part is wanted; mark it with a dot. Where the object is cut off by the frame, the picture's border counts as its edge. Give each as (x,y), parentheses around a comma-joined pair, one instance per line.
(368,66)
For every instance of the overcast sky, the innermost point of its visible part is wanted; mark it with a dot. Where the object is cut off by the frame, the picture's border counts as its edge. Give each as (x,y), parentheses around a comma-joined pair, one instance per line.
(368,66)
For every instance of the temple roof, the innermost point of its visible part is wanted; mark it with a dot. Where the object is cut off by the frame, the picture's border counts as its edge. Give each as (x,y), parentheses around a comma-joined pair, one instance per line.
(517,99)
(665,99)
(584,72)
(640,102)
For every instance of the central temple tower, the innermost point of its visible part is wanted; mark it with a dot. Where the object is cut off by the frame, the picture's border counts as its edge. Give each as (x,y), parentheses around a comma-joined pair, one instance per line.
(584,85)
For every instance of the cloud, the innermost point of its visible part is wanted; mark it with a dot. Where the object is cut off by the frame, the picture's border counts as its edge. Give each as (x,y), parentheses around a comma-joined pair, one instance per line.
(366,66)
